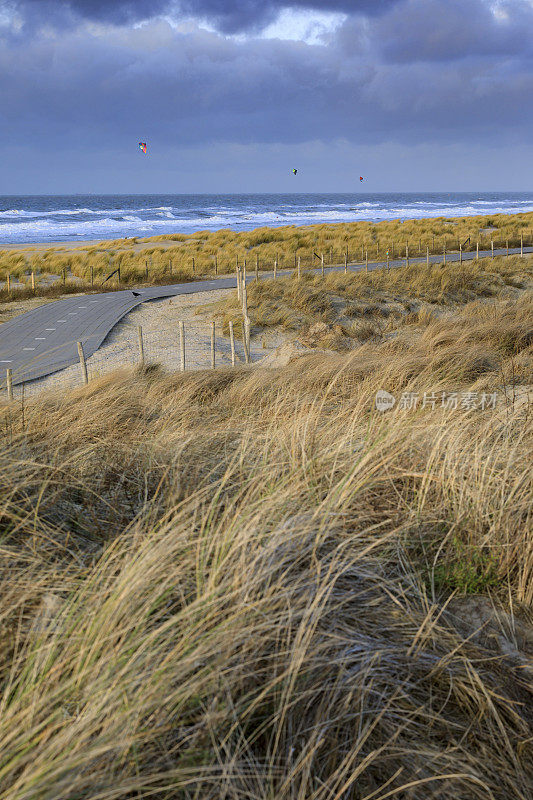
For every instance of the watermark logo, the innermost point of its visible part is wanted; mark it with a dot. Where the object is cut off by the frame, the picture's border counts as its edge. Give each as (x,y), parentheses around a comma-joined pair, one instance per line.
(384,400)
(452,401)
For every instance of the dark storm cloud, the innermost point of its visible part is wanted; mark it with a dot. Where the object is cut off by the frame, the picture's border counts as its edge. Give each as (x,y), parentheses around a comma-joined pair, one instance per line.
(227,15)
(116,11)
(238,15)
(400,78)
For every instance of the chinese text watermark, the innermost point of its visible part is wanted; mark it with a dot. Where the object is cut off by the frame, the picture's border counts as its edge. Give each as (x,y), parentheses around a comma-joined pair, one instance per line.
(452,401)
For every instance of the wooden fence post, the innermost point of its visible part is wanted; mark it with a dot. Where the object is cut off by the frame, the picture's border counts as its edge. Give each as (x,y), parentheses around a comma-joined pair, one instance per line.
(521,244)
(477,250)
(232,343)
(388,265)
(246,338)
(366,260)
(83,363)
(406,255)
(244,273)
(141,344)
(213,345)
(193,266)
(299,267)
(492,247)
(345,264)
(182,345)
(460,253)
(244,300)
(9,382)
(322,264)
(247,326)
(276,267)
(22,405)
(8,282)
(33,281)
(444,252)
(238,284)
(427,256)
(507,246)
(64,276)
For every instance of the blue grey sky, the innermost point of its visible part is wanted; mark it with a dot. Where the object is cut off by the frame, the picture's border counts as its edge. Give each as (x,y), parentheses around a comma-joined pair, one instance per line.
(416,95)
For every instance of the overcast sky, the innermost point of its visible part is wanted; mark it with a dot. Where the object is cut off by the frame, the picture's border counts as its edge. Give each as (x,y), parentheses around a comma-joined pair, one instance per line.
(415,95)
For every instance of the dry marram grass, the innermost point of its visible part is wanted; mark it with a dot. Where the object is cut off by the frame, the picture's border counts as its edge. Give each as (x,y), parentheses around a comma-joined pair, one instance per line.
(176,257)
(236,583)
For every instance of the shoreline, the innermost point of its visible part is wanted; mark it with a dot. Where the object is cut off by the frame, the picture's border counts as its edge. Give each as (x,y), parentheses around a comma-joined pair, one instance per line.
(178,258)
(157,240)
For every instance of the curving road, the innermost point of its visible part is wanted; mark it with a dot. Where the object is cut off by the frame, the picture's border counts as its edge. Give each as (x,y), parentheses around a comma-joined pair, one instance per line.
(44,340)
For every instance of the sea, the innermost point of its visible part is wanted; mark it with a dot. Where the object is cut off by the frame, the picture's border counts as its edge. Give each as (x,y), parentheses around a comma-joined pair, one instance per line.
(59,218)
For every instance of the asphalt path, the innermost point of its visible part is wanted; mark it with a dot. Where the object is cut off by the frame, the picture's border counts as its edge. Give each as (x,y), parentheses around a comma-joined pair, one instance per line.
(44,340)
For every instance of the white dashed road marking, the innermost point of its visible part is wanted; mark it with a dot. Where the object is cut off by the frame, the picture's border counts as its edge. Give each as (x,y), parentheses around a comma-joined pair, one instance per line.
(40,338)
(49,329)
(7,361)
(61,320)
(72,313)
(28,348)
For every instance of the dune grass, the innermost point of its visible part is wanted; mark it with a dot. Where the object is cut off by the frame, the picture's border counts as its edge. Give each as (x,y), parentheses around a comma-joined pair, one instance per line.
(375,303)
(196,254)
(236,583)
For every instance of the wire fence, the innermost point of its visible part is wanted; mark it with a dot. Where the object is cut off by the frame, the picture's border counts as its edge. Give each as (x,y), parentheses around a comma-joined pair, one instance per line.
(182,346)
(159,268)
(177,345)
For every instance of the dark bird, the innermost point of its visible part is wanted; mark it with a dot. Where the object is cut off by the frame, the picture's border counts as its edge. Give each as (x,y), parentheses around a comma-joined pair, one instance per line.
(136,294)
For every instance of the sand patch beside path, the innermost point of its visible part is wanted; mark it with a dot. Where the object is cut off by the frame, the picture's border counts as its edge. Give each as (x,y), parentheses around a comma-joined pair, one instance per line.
(159,320)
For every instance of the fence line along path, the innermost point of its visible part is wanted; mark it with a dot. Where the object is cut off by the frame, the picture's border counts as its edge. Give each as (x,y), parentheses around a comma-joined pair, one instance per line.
(190,345)
(45,340)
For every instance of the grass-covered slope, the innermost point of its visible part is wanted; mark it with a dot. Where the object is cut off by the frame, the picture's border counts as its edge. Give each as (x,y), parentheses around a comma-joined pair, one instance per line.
(252,584)
(185,257)
(375,304)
